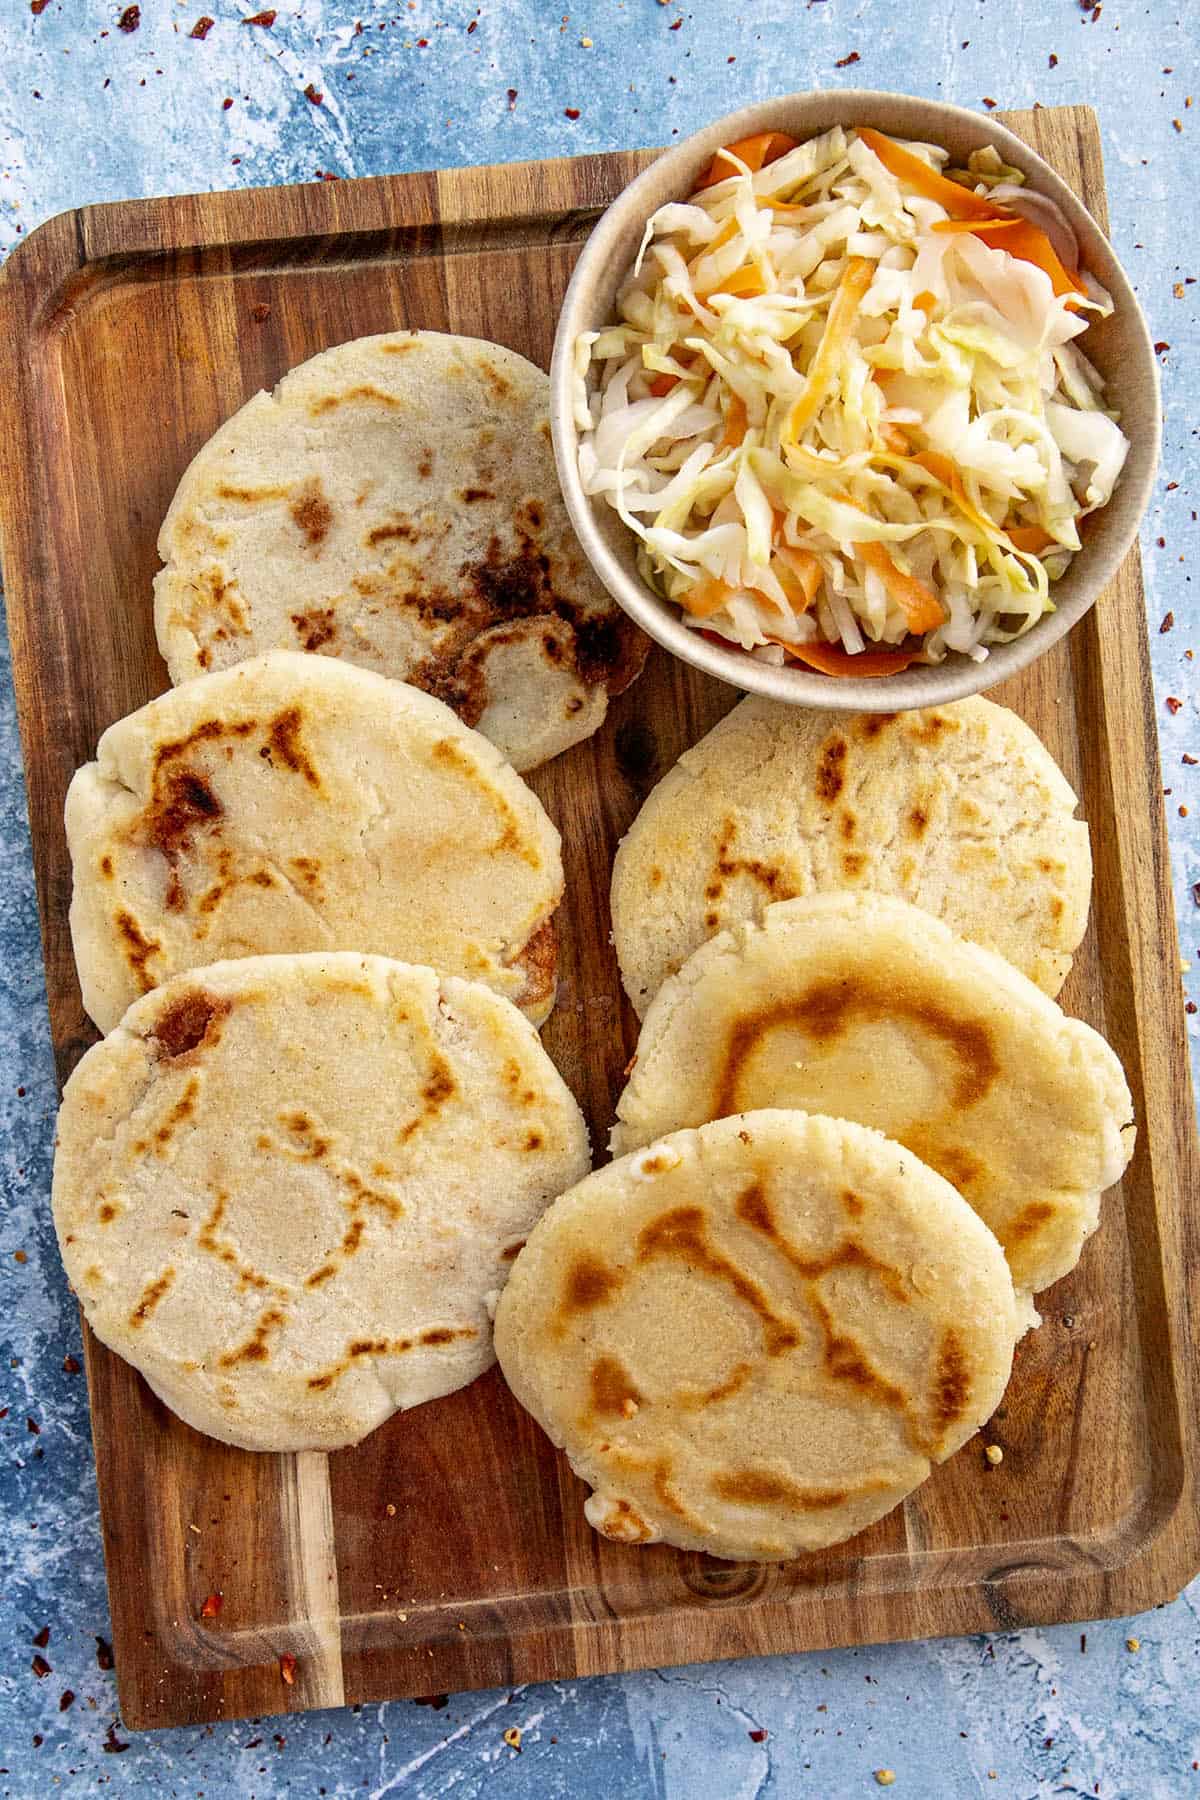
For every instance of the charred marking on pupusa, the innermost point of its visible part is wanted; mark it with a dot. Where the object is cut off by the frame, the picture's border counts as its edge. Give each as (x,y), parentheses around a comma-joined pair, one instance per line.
(255,1348)
(826,1012)
(190,1019)
(682,1232)
(150,1297)
(614,1393)
(139,949)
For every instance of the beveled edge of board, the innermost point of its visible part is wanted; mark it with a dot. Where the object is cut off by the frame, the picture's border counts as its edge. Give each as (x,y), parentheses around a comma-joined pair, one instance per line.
(32,288)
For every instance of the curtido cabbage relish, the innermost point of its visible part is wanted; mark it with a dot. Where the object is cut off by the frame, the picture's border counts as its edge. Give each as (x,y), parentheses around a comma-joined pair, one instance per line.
(843,409)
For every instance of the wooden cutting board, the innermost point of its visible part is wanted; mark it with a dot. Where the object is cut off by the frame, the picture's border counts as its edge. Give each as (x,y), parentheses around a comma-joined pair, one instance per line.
(450,1550)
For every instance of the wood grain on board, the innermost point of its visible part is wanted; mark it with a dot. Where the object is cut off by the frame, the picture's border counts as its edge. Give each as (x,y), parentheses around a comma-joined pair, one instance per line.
(450,1549)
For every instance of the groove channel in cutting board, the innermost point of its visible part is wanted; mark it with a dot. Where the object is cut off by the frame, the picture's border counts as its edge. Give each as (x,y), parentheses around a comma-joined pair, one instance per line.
(450,1549)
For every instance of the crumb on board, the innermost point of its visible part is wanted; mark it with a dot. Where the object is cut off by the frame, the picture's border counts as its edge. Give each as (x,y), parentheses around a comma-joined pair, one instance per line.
(885,1777)
(994,1455)
(512,1737)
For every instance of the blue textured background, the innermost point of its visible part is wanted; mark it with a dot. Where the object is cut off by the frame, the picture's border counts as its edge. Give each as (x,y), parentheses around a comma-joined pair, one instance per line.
(89,112)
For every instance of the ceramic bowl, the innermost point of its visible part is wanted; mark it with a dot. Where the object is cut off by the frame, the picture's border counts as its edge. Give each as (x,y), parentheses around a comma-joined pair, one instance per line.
(1120,346)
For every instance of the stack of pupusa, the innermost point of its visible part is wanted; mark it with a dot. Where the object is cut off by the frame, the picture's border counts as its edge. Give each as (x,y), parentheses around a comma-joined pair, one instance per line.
(789,1318)
(309,900)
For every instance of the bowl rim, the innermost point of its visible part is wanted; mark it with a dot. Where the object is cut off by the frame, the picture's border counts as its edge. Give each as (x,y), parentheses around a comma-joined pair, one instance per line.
(927,684)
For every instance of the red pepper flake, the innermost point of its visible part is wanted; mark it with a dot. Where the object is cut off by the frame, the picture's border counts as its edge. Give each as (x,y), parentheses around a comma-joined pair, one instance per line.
(990,104)
(3,1412)
(113,1745)
(104,1655)
(266,18)
(512,99)
(675,25)
(212,1606)
(757,1737)
(1161,346)
(287,1667)
(202,27)
(570,112)
(1190,760)
(226,104)
(1190,1007)
(32,1426)
(844,62)
(40,1667)
(19,1256)
(1168,622)
(38,6)
(1173,704)
(437,1701)
(42,1638)
(70,1366)
(260,312)
(313,94)
(1053,60)
(130,19)
(38,1740)
(1183,812)
(422,43)
(66,1700)
(473,26)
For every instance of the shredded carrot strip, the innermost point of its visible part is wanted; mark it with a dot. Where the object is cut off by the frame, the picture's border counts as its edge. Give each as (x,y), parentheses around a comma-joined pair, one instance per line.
(1030,538)
(727,233)
(958,201)
(781,206)
(942,469)
(756,152)
(924,302)
(800,577)
(747,279)
(1027,242)
(895,439)
(736,420)
(919,604)
(856,279)
(662,384)
(975,225)
(831,659)
(705,597)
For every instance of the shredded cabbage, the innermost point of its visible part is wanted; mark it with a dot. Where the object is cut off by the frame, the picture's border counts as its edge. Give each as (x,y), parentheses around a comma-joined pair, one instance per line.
(836,409)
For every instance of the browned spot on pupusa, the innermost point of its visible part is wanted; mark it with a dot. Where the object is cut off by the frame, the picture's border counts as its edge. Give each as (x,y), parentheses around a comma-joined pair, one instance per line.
(539,963)
(696,1399)
(284,742)
(589,1283)
(189,1020)
(954,1162)
(727,867)
(106,867)
(844,1359)
(624,1525)
(930,727)
(225,1251)
(682,1232)
(436,1337)
(757,1487)
(364,391)
(150,1297)
(312,514)
(174,894)
(398,346)
(1027,1224)
(139,950)
(852,1202)
(831,770)
(472,494)
(400,529)
(848,826)
(951,1392)
(917,822)
(316,627)
(614,1393)
(829,1009)
(872,726)
(255,1348)
(310,1146)
(183,1110)
(108,1212)
(438,1087)
(251,496)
